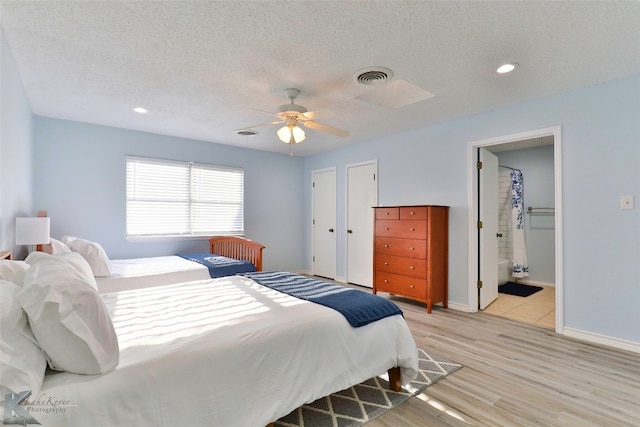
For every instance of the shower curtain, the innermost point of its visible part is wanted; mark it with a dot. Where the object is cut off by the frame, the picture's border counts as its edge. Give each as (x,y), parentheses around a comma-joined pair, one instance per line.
(520,265)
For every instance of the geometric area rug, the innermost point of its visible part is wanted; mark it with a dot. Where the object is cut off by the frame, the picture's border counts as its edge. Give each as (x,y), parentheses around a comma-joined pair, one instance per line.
(368,400)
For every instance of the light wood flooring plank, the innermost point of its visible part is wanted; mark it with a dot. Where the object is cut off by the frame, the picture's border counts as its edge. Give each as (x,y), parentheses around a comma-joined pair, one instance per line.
(516,374)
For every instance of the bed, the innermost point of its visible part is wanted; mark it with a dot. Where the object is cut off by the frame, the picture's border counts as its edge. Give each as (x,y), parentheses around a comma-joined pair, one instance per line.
(137,273)
(227,255)
(223,352)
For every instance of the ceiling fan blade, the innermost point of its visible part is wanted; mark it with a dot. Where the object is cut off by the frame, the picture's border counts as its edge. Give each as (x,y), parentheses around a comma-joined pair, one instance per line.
(271,113)
(325,128)
(319,114)
(261,124)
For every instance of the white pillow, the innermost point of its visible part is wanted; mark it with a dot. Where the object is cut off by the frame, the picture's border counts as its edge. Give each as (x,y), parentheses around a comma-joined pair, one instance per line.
(13,271)
(67,239)
(57,247)
(94,254)
(75,259)
(68,317)
(22,363)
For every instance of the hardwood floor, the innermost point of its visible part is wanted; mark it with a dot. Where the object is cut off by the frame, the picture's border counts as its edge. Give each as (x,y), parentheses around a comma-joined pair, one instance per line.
(516,374)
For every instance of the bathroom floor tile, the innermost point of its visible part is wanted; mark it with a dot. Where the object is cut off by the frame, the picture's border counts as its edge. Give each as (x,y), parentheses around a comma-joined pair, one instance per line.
(538,308)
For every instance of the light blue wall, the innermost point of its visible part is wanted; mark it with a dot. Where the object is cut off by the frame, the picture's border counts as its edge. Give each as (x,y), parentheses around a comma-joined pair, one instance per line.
(536,165)
(16,147)
(79,177)
(600,161)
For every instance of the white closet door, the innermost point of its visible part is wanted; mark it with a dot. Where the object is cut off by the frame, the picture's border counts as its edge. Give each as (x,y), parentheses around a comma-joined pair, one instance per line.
(324,223)
(362,196)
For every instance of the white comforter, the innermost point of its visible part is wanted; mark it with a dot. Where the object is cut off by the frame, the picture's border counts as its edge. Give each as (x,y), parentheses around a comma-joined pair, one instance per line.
(136,273)
(224,352)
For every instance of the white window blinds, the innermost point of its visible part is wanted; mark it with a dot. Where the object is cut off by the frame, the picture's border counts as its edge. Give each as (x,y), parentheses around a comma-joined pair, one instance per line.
(169,198)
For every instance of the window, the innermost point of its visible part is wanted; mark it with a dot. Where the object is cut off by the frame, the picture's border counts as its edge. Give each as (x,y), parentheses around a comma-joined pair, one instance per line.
(170,198)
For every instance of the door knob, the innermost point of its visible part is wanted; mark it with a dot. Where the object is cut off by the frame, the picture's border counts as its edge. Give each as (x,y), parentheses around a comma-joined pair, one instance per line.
(349,231)
(331,230)
(498,234)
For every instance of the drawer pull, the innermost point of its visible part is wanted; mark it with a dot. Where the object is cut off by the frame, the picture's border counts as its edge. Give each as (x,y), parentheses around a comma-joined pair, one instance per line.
(412,229)
(386,228)
(386,281)
(386,263)
(413,213)
(411,286)
(386,213)
(411,268)
(411,248)
(386,246)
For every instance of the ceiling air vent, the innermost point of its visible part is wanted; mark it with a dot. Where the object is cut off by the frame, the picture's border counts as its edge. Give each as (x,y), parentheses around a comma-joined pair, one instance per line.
(373,76)
(246,132)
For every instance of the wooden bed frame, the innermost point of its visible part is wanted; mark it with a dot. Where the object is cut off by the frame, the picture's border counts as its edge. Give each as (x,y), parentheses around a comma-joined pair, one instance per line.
(237,248)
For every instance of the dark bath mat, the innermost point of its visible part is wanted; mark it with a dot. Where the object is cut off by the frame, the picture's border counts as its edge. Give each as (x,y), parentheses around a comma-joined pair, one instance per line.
(518,289)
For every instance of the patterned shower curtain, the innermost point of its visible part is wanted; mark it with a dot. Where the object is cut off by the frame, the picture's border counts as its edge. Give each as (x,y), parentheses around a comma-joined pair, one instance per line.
(520,265)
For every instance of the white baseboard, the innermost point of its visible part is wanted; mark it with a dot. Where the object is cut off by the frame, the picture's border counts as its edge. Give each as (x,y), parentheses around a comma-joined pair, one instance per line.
(310,273)
(458,307)
(536,283)
(602,339)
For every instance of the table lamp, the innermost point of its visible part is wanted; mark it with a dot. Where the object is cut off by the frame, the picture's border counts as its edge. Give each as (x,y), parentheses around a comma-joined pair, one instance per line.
(32,232)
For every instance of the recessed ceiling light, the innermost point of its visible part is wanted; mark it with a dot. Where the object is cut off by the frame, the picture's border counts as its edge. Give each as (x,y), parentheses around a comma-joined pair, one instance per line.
(140,110)
(506,68)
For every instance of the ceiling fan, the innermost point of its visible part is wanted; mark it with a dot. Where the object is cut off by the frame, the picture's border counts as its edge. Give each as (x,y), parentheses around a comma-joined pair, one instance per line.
(292,115)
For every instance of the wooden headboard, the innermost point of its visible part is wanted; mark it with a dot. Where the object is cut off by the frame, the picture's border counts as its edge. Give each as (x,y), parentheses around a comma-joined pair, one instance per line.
(237,248)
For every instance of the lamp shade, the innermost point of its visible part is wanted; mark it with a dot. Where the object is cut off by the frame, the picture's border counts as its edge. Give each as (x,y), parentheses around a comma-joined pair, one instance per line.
(284,133)
(32,231)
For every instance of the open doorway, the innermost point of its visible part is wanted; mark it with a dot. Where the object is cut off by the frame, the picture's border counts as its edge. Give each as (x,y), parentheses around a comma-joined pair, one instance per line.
(488,239)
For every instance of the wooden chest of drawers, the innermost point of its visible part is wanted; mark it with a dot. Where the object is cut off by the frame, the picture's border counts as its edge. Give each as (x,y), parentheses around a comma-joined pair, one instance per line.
(411,252)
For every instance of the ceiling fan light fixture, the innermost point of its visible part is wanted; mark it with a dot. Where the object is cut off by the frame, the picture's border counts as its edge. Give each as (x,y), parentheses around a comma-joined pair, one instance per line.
(284,134)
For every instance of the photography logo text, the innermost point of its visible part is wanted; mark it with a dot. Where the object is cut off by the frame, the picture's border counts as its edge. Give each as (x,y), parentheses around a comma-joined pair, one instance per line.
(18,409)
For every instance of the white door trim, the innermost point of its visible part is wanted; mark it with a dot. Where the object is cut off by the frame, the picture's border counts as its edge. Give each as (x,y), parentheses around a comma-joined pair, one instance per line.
(472,268)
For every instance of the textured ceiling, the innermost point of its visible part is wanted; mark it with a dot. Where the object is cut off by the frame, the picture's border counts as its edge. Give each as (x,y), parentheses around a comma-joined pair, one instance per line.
(198,67)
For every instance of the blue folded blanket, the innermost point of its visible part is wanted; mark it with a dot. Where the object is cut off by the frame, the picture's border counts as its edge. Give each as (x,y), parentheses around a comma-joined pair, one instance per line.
(359,308)
(220,266)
